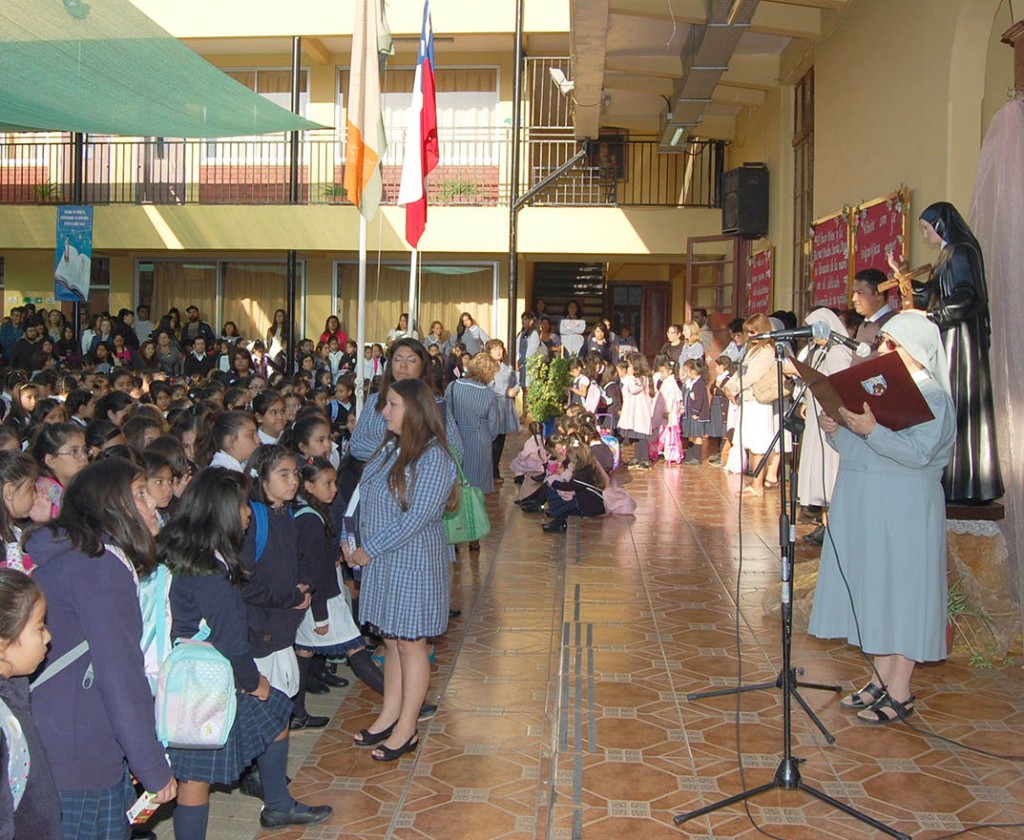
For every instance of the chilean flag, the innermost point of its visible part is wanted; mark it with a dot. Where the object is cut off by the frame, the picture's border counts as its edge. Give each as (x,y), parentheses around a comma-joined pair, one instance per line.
(421,146)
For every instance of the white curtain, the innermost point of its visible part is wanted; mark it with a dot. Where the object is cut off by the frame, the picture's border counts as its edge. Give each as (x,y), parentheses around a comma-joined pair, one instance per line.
(996,215)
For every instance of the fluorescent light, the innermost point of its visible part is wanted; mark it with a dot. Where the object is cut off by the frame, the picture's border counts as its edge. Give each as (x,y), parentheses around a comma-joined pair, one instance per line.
(733,11)
(677,136)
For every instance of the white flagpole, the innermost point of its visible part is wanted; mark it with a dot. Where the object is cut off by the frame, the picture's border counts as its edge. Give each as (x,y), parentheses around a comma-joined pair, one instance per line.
(361,315)
(412,290)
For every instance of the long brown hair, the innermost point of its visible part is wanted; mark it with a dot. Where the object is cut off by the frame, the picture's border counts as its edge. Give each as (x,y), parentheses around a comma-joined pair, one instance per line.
(422,426)
(758,324)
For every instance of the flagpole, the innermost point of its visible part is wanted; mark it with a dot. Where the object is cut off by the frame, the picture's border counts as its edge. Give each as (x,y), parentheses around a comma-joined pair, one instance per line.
(361,315)
(412,290)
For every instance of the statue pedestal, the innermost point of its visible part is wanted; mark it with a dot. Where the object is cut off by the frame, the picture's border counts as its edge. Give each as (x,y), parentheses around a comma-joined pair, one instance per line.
(985,614)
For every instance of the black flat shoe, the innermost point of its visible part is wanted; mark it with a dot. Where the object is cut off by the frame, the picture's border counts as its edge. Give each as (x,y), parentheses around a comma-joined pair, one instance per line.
(384,753)
(474,546)
(854,703)
(334,681)
(887,711)
(816,537)
(309,816)
(454,613)
(308,721)
(427,711)
(555,526)
(250,783)
(366,738)
(317,687)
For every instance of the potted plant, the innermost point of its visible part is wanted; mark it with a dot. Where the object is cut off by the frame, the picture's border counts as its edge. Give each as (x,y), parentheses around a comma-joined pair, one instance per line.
(335,193)
(970,622)
(545,398)
(459,191)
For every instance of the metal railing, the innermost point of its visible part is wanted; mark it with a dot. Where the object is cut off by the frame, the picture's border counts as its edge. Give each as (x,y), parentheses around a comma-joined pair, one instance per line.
(474,170)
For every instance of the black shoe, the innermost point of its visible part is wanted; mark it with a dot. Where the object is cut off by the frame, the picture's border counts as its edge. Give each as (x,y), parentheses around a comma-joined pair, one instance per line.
(427,711)
(454,613)
(316,687)
(333,680)
(555,526)
(250,783)
(715,460)
(474,546)
(518,479)
(308,721)
(816,537)
(311,815)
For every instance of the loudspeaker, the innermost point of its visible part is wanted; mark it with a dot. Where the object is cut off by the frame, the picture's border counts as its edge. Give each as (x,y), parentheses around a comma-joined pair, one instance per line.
(745,201)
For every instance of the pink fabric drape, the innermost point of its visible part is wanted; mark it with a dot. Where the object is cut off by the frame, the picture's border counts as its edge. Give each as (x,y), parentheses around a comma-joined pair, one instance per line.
(996,217)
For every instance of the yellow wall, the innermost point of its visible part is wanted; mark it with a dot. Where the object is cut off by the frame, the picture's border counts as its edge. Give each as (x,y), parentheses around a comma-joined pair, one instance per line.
(268,18)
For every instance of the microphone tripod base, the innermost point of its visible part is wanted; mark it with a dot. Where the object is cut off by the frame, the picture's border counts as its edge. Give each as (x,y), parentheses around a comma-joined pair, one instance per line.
(787,777)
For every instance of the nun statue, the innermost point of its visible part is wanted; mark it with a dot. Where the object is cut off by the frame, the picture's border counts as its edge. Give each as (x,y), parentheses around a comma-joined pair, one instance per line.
(882,579)
(956,299)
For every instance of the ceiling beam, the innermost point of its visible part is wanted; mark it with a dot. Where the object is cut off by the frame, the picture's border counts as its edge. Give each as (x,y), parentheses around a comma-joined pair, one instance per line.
(682,11)
(589,45)
(758,72)
(661,66)
(828,5)
(803,22)
(315,49)
(638,83)
(739,96)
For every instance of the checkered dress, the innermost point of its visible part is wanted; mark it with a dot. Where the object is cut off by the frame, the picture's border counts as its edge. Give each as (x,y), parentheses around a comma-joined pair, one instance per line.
(475,409)
(404,591)
(257,724)
(98,814)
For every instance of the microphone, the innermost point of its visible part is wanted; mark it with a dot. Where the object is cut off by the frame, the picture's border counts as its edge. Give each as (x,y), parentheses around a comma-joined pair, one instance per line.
(859,348)
(818,332)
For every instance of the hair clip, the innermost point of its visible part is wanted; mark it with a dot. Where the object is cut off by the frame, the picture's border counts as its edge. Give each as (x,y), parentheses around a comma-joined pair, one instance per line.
(310,460)
(253,473)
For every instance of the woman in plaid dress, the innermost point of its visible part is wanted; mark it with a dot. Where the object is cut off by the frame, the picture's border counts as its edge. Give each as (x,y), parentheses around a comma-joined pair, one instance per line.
(404,492)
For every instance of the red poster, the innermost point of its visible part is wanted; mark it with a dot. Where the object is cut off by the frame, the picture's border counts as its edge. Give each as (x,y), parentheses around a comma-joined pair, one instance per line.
(878,229)
(759,282)
(830,262)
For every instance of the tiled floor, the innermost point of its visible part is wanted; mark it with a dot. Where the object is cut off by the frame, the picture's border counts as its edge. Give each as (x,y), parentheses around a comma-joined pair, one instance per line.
(563,697)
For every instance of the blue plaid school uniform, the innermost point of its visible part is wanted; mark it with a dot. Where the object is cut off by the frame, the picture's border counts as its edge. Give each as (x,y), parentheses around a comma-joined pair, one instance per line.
(719,410)
(98,814)
(475,409)
(404,590)
(257,724)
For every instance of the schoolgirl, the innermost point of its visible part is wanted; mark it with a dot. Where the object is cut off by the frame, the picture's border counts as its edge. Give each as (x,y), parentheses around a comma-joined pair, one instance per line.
(578,494)
(532,457)
(274,595)
(95,715)
(268,409)
(61,453)
(506,389)
(101,435)
(310,437)
(229,441)
(202,547)
(29,803)
(328,628)
(24,397)
(637,407)
(718,425)
(696,409)
(665,413)
(18,473)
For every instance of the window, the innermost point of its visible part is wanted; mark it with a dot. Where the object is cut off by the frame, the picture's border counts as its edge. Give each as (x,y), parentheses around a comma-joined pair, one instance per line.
(467,108)
(803,190)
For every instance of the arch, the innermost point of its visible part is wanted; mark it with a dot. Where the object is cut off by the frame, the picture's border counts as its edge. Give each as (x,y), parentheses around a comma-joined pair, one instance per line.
(964,130)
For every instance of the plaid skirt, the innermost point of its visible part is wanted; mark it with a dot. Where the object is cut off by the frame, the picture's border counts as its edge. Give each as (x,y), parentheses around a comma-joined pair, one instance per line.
(257,724)
(719,407)
(693,428)
(98,814)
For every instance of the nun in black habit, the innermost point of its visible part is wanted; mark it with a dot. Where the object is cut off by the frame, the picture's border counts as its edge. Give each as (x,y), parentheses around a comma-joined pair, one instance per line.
(956,299)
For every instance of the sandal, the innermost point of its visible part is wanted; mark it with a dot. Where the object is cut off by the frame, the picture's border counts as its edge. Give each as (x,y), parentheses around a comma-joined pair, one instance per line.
(878,716)
(855,704)
(366,738)
(385,753)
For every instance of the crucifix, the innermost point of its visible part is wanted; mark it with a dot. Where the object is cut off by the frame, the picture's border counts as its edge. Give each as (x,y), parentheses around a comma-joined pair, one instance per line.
(1014,36)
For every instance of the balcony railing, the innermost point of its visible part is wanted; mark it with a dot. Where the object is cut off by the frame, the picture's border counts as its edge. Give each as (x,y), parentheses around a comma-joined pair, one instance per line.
(474,170)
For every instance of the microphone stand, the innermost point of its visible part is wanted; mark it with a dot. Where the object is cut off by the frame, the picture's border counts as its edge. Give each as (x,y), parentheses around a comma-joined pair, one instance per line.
(787,774)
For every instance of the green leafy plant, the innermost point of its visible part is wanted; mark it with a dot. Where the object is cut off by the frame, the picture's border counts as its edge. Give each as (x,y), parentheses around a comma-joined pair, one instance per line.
(455,189)
(972,624)
(549,379)
(49,192)
(334,192)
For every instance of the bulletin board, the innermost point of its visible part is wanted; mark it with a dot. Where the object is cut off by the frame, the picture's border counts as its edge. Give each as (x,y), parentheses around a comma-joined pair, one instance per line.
(760,281)
(830,261)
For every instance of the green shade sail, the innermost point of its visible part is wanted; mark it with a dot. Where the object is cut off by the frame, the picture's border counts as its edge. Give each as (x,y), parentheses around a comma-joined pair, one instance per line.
(103,67)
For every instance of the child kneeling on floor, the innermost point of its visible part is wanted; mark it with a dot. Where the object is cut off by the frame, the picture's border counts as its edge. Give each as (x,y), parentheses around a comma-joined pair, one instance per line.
(577,492)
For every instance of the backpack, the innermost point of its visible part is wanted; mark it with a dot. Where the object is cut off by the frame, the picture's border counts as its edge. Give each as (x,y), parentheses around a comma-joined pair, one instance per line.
(195,695)
(261,526)
(156,632)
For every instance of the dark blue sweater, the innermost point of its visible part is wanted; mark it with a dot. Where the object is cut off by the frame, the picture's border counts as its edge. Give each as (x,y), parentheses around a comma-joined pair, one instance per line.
(88,732)
(318,556)
(215,598)
(269,589)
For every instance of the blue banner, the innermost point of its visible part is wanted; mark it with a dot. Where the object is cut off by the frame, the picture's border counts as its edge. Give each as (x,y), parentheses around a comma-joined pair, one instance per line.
(73,266)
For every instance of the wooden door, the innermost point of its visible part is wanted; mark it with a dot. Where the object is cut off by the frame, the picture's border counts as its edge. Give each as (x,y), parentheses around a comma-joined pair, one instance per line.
(645,308)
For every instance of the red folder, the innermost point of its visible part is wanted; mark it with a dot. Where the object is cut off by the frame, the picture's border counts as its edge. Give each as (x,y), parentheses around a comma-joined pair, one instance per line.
(883,382)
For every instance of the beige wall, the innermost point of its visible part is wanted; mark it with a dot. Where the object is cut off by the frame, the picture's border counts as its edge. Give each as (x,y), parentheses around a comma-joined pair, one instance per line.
(270,18)
(998,68)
